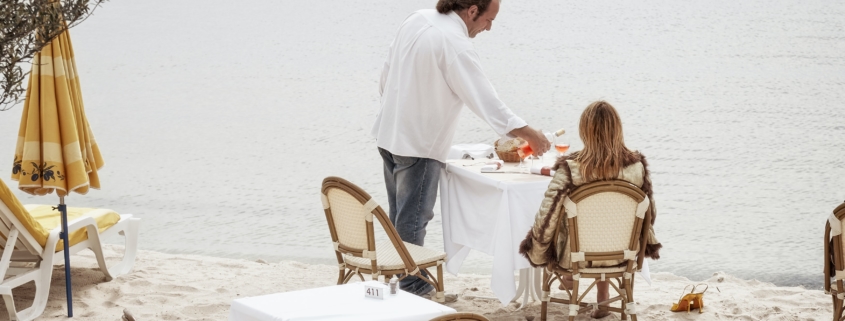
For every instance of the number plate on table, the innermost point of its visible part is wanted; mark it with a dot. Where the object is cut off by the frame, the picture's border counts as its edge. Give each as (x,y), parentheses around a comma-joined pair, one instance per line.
(375,291)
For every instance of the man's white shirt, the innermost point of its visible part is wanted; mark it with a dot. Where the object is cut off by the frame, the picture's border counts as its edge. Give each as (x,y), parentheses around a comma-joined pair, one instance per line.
(432,70)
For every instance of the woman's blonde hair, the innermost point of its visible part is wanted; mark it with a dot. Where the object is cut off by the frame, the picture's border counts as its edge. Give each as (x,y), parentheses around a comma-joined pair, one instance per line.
(604,153)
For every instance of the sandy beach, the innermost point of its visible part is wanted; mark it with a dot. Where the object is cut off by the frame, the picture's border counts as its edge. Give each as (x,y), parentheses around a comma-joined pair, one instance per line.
(219,119)
(192,287)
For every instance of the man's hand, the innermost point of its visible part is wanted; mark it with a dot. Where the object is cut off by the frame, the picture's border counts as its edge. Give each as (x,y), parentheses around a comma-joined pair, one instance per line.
(535,138)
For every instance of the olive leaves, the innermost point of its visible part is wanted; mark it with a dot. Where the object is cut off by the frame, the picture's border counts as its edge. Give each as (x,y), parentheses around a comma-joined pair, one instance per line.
(26,26)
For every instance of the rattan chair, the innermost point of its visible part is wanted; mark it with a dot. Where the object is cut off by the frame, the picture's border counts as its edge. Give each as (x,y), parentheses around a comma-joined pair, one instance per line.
(461,316)
(606,221)
(834,264)
(349,212)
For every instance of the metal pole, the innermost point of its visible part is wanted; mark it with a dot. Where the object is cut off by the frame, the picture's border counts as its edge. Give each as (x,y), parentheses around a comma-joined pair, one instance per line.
(64,235)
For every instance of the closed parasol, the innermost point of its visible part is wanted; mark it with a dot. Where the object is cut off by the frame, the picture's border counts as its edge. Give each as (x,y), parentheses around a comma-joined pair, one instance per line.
(56,150)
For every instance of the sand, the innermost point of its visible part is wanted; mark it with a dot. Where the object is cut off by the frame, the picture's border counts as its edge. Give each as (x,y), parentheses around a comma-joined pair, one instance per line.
(190,287)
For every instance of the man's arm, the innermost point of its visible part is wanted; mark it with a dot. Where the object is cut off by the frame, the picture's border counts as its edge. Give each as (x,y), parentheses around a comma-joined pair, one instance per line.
(467,80)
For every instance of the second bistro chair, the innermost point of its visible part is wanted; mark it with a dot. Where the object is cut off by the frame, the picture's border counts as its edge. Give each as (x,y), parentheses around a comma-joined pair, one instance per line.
(606,221)
(834,262)
(350,212)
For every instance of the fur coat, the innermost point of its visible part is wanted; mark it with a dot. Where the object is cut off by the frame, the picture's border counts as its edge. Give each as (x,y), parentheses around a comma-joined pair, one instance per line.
(537,246)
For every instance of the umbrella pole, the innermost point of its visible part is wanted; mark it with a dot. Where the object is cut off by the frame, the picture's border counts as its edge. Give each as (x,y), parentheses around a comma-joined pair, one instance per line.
(64,235)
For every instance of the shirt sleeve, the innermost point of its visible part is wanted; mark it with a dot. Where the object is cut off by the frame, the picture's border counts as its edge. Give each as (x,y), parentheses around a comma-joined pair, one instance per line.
(466,78)
(384,70)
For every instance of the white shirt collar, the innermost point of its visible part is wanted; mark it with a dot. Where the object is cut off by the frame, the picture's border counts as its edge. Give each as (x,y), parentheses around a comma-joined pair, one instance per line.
(454,15)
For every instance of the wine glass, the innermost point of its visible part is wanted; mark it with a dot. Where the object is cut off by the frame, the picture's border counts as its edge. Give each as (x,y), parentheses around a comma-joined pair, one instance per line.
(524,151)
(562,144)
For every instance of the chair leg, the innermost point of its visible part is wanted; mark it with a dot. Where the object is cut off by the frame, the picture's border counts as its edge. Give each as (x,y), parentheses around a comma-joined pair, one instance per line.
(130,235)
(624,300)
(348,276)
(341,273)
(41,277)
(441,291)
(629,294)
(439,297)
(576,304)
(544,305)
(10,305)
(837,307)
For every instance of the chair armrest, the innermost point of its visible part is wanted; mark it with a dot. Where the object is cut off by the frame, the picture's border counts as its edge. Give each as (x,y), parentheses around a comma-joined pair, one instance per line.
(78,224)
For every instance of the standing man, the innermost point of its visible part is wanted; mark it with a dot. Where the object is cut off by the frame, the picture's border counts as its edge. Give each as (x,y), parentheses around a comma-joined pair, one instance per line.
(432,70)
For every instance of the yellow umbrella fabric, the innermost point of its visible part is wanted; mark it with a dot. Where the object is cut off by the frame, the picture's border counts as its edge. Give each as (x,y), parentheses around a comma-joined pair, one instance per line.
(56,150)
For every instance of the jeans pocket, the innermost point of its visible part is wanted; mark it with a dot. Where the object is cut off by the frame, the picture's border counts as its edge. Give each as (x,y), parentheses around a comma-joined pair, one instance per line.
(404,160)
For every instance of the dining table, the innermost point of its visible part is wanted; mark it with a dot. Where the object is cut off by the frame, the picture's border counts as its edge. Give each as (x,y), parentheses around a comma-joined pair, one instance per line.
(492,212)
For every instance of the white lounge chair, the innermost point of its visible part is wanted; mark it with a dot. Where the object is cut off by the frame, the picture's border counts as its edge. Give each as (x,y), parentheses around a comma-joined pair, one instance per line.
(30,234)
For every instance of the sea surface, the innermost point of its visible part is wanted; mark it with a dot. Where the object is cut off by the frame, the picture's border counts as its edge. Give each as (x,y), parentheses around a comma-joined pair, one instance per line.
(219,119)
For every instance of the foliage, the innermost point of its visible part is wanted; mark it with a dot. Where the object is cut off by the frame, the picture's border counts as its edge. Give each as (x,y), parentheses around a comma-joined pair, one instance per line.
(26,26)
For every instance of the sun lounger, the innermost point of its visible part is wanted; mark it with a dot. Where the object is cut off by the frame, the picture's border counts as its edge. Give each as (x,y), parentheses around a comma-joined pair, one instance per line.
(29,238)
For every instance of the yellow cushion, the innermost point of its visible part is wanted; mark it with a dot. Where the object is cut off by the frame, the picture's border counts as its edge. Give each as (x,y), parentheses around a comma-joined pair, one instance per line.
(32,226)
(40,219)
(50,219)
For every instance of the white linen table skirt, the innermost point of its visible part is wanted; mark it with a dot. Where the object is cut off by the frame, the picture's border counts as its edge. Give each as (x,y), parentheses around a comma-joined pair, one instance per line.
(491,213)
(338,302)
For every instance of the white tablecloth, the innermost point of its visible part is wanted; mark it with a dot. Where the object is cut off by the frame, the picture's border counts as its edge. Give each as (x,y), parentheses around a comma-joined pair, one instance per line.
(338,302)
(491,213)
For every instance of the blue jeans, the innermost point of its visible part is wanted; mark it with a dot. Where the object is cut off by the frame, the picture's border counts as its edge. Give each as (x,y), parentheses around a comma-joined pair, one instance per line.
(411,192)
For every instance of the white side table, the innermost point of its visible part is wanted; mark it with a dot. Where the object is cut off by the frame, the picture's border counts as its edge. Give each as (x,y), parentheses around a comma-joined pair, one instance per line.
(335,303)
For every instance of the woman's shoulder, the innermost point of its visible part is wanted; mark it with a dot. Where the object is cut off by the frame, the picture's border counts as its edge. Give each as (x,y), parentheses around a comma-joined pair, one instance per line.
(634,157)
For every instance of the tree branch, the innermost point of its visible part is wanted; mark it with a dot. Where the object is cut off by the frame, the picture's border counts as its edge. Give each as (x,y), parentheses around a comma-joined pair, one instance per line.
(26,26)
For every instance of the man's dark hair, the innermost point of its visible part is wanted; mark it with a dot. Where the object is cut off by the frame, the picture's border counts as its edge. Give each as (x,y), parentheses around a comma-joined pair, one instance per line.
(444,6)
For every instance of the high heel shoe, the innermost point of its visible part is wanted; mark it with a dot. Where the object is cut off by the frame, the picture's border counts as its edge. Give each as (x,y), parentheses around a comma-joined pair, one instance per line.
(686,301)
(698,301)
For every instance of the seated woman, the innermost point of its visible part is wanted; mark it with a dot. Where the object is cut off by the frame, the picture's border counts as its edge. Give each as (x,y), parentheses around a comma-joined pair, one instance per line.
(604,157)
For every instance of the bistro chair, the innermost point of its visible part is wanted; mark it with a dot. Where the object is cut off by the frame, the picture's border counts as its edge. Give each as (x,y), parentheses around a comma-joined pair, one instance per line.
(350,212)
(606,221)
(461,316)
(834,262)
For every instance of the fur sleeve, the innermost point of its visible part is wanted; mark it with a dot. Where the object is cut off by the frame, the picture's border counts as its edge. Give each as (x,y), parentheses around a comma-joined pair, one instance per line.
(539,246)
(653,246)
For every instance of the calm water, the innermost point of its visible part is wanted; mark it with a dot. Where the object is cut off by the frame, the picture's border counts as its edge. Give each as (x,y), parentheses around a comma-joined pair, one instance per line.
(219,120)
